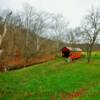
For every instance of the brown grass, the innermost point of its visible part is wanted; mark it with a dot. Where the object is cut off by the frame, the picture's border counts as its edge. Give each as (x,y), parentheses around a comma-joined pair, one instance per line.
(20,62)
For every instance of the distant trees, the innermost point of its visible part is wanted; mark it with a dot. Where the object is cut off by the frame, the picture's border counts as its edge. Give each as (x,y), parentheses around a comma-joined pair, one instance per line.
(91,29)
(28,17)
(39,26)
(36,23)
(16,22)
(59,29)
(73,36)
(41,23)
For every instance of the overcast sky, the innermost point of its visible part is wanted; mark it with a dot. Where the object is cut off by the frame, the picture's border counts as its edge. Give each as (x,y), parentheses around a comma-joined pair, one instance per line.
(72,10)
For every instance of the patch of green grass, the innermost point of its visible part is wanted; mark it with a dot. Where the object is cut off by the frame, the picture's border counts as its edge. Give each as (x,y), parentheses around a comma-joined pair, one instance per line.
(52,80)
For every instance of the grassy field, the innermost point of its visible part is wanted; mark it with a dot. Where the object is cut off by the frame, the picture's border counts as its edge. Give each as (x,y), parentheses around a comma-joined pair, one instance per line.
(54,80)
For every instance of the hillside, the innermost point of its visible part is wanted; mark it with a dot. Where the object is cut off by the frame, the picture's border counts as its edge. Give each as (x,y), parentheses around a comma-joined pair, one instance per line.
(17,54)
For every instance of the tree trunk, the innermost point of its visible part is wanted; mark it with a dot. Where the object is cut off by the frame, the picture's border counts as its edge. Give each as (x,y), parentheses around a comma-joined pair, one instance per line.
(37,45)
(87,50)
(5,68)
(89,53)
(2,36)
(57,47)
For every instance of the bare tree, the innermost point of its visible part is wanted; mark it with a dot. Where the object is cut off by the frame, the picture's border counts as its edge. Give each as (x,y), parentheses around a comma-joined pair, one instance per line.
(28,16)
(40,25)
(15,20)
(59,28)
(73,36)
(15,25)
(91,30)
(70,38)
(4,34)
(4,30)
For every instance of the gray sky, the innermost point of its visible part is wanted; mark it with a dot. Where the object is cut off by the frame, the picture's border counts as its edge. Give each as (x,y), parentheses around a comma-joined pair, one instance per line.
(72,10)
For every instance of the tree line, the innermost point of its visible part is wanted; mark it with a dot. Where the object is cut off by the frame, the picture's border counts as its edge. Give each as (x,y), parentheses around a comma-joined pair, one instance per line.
(37,25)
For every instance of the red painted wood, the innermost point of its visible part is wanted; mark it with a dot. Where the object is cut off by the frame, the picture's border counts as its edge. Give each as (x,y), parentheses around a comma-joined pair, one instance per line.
(73,54)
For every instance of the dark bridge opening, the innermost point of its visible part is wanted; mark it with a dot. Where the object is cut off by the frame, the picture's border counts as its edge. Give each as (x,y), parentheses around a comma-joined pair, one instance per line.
(65,52)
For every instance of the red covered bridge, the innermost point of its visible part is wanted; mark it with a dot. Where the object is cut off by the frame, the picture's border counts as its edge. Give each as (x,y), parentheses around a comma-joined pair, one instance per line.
(72,53)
